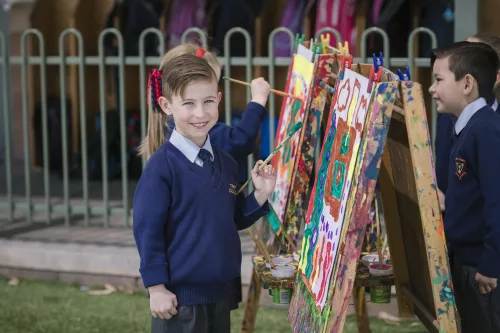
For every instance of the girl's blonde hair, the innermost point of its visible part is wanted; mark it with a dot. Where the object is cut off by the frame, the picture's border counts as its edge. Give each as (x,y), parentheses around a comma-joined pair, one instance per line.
(157,119)
(494,42)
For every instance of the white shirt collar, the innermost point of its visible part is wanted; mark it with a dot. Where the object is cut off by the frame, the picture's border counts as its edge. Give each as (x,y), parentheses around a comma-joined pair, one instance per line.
(188,147)
(467,114)
(494,106)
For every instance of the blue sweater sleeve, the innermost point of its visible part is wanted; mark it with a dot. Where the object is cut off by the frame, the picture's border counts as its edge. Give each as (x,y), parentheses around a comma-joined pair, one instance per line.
(152,201)
(239,140)
(248,211)
(487,161)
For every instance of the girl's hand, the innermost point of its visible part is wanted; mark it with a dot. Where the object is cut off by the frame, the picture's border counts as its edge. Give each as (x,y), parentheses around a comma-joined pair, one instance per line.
(162,302)
(260,91)
(264,182)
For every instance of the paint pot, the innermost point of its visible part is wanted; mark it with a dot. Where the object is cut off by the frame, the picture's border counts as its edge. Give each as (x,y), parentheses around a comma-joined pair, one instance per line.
(380,294)
(282,296)
(385,270)
(283,271)
(370,259)
(282,260)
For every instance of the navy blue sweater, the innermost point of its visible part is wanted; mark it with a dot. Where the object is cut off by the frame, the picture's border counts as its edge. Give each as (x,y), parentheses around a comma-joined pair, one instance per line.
(186,225)
(238,140)
(444,142)
(472,220)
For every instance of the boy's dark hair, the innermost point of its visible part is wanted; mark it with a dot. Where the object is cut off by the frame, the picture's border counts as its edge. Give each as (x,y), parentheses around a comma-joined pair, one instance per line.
(477,59)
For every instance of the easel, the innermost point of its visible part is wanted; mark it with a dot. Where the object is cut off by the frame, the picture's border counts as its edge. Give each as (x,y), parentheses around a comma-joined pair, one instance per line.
(422,276)
(409,197)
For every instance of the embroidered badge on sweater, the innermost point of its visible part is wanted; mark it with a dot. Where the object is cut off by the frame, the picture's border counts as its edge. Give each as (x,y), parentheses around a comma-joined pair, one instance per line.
(460,164)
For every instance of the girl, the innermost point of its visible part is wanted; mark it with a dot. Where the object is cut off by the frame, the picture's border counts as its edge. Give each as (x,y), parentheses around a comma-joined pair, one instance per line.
(186,211)
(238,140)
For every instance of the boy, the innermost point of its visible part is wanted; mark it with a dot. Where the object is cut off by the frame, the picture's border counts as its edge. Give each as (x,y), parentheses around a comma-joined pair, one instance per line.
(445,123)
(186,209)
(465,74)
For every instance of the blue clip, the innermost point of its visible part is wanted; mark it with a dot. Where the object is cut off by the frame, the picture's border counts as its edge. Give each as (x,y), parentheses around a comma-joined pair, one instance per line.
(378,62)
(406,75)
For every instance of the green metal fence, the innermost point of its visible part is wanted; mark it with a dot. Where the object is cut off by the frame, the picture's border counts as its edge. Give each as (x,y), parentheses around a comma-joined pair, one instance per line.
(71,206)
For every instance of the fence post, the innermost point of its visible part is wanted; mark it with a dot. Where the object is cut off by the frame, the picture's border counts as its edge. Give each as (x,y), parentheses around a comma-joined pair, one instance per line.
(4,31)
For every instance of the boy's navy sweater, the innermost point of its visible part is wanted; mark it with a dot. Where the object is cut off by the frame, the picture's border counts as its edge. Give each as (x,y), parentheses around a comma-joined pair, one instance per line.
(472,220)
(186,225)
(238,140)
(444,142)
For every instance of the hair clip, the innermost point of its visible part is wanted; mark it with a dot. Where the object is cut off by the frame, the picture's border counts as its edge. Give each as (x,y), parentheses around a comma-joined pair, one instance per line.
(200,52)
(155,86)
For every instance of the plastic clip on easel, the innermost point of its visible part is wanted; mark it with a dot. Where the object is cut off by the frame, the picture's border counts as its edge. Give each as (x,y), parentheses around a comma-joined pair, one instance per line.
(345,58)
(325,40)
(406,75)
(376,70)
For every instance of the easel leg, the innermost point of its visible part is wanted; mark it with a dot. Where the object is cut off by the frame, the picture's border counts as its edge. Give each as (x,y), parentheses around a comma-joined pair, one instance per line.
(361,312)
(252,304)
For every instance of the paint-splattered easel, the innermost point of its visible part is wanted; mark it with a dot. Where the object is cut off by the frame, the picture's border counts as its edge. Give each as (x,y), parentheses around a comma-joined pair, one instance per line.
(414,228)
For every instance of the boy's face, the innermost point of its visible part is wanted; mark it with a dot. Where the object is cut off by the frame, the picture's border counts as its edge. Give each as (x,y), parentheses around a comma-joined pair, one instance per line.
(446,91)
(196,112)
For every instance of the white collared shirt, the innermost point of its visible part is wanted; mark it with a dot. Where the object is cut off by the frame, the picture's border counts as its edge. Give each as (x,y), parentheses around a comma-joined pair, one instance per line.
(467,114)
(494,106)
(189,148)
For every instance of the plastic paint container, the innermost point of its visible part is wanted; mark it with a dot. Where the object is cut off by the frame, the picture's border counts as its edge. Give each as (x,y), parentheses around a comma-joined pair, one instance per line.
(380,294)
(283,271)
(282,296)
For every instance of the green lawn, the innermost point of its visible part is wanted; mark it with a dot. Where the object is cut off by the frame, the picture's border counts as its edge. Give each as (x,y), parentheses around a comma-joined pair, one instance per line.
(49,307)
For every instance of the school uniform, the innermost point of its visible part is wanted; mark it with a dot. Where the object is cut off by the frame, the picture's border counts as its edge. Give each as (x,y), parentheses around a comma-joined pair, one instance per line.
(186,221)
(239,141)
(472,220)
(444,143)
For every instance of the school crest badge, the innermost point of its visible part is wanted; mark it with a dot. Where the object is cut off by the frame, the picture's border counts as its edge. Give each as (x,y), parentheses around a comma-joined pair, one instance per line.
(460,164)
(232,189)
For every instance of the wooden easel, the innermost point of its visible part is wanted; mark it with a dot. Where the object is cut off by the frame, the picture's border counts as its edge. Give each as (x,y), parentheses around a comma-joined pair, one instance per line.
(415,232)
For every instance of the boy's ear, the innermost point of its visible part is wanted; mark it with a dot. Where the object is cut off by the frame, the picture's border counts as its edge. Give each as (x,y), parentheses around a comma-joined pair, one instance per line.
(470,84)
(165,105)
(219,96)
(498,78)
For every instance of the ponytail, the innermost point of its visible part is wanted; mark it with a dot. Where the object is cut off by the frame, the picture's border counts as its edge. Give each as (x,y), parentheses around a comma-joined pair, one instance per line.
(155,136)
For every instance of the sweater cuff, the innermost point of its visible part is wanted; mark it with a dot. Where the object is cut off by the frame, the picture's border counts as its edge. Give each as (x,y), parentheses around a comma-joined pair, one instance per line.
(252,210)
(258,109)
(488,266)
(155,274)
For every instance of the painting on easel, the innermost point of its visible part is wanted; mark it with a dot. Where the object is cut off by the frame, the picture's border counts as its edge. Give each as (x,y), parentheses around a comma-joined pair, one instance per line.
(293,111)
(327,206)
(361,171)
(296,208)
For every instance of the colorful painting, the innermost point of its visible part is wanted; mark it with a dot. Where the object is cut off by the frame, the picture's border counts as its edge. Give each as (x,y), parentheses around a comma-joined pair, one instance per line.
(360,201)
(295,210)
(304,314)
(327,206)
(298,84)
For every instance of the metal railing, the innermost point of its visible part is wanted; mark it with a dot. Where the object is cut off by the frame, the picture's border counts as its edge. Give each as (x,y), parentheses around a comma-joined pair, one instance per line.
(68,207)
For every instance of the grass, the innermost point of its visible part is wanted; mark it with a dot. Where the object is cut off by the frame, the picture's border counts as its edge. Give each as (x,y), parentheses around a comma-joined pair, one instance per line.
(54,307)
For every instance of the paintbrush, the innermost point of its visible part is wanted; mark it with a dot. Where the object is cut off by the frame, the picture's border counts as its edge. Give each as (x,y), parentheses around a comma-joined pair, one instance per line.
(379,243)
(262,248)
(274,91)
(294,129)
(287,235)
